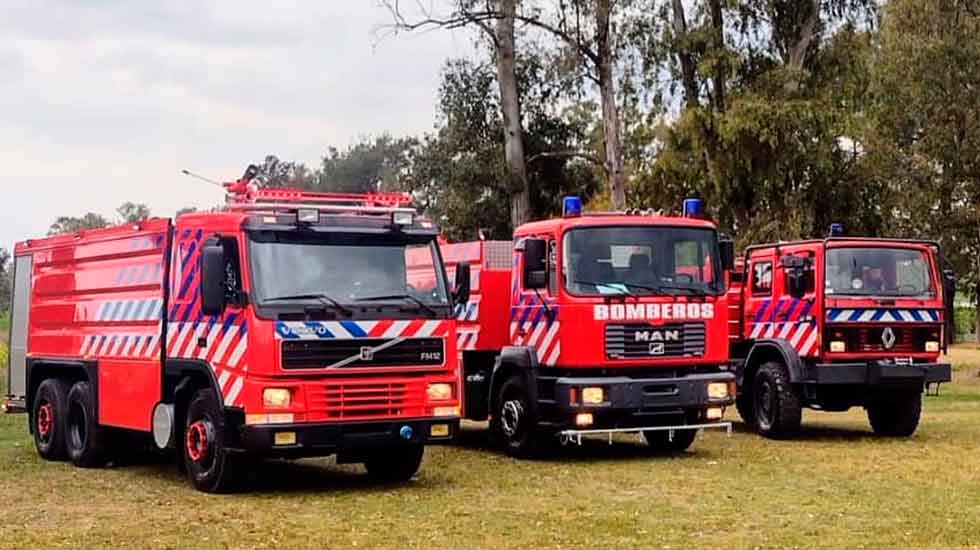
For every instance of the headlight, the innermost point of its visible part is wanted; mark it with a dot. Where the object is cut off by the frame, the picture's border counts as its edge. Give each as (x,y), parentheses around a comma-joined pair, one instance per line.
(718,390)
(837,346)
(276,398)
(403,218)
(439,392)
(593,396)
(932,346)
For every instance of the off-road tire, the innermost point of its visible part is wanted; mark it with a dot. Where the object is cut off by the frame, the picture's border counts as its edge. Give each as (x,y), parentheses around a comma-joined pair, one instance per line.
(52,399)
(396,465)
(85,440)
(776,404)
(895,415)
(745,406)
(660,440)
(215,470)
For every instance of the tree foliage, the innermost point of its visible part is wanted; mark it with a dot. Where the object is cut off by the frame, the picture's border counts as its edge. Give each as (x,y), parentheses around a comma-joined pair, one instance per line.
(71,224)
(6,281)
(130,212)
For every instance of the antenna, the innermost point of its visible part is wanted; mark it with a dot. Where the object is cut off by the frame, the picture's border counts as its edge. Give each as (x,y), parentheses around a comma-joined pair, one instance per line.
(202,178)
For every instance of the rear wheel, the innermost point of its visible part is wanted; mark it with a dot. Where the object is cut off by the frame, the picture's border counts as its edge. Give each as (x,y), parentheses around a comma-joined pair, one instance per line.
(48,414)
(777,409)
(671,441)
(209,465)
(86,440)
(396,465)
(895,415)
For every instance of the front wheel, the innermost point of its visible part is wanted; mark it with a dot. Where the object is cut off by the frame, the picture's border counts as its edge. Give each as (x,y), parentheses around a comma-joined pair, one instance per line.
(671,441)
(777,408)
(209,466)
(895,415)
(395,465)
(514,424)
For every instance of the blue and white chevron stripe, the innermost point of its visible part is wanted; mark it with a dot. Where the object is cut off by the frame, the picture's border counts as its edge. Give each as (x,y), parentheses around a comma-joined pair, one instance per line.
(878,315)
(468,311)
(130,310)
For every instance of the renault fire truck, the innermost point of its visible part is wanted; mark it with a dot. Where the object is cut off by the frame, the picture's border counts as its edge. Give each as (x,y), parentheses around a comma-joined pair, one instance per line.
(290,324)
(837,323)
(596,324)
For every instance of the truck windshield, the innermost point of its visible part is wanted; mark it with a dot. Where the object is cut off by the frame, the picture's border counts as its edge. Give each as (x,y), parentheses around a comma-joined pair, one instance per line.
(641,260)
(347,268)
(878,272)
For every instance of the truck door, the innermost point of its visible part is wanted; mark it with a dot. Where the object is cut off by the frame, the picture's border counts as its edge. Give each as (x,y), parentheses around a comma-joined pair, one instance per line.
(758,293)
(17,372)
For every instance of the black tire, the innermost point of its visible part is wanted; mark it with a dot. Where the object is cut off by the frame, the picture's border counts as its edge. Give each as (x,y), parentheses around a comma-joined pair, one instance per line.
(661,440)
(49,413)
(745,407)
(85,439)
(396,465)
(514,424)
(776,405)
(895,415)
(210,467)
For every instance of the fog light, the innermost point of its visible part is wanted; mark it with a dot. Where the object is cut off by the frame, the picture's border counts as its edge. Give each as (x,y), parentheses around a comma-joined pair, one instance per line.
(439,392)
(445,411)
(439,430)
(262,418)
(276,398)
(718,390)
(583,419)
(714,413)
(932,346)
(284,438)
(593,396)
(837,346)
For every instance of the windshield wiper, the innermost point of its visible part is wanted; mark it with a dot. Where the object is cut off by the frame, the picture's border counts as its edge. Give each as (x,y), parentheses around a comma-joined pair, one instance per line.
(323,298)
(421,304)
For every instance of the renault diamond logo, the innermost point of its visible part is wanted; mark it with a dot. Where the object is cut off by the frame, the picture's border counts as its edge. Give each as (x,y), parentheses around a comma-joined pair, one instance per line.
(367,353)
(888,338)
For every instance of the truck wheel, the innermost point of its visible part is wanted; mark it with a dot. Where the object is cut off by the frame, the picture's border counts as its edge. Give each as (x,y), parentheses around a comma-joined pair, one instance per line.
(744,406)
(895,415)
(778,412)
(209,466)
(48,413)
(660,440)
(513,425)
(395,465)
(86,440)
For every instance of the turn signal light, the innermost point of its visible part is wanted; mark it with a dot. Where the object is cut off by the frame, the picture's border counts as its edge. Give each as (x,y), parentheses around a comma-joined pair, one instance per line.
(445,411)
(262,418)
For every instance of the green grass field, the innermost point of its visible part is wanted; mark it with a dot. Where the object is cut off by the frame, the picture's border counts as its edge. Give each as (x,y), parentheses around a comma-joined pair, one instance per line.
(835,486)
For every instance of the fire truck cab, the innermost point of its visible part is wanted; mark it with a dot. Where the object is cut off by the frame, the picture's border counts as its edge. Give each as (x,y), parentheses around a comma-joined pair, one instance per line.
(837,323)
(596,324)
(290,324)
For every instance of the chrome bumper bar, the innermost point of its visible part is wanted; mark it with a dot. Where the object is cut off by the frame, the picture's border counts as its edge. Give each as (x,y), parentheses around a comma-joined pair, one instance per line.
(575,436)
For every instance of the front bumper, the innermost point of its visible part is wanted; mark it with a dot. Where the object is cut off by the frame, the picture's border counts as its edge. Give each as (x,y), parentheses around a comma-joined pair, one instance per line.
(877,373)
(323,439)
(641,402)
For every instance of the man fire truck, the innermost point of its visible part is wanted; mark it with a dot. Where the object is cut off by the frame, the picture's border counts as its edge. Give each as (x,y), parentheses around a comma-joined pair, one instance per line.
(597,324)
(286,325)
(837,323)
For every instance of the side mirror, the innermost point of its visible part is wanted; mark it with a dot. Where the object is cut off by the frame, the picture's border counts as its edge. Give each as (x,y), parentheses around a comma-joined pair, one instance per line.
(535,258)
(461,287)
(726,248)
(213,279)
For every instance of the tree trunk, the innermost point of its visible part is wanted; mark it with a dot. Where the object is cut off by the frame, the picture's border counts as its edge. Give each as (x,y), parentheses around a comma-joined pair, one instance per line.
(610,113)
(511,110)
(976,311)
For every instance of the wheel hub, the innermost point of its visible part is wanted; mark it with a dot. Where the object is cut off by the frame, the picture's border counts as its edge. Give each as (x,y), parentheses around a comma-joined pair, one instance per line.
(510,418)
(764,398)
(45,420)
(198,440)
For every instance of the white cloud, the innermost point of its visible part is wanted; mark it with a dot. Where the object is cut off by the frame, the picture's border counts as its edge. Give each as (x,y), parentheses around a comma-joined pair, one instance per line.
(105,101)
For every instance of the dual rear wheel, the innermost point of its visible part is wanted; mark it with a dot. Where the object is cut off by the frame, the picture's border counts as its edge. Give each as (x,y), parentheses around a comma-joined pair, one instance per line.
(65,423)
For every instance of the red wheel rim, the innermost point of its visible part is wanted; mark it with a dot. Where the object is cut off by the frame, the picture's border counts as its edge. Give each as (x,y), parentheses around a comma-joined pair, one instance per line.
(197,441)
(45,420)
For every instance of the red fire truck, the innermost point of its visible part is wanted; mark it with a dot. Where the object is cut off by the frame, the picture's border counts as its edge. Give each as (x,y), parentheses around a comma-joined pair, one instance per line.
(287,325)
(870,335)
(596,324)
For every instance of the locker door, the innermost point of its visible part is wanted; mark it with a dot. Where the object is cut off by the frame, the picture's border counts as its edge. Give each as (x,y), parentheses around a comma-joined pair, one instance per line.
(17,373)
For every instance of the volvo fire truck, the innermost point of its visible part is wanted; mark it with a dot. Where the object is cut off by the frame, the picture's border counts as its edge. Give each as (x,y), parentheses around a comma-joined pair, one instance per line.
(290,324)
(837,323)
(596,323)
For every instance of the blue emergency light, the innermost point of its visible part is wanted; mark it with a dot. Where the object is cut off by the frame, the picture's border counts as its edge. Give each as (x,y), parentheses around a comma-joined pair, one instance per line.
(571,207)
(693,208)
(836,229)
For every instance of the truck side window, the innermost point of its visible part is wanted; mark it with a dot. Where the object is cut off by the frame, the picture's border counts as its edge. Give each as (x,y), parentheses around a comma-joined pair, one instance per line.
(552,267)
(762,278)
(233,272)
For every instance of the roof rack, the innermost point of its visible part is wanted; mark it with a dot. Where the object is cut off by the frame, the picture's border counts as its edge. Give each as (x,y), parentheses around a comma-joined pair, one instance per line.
(243,195)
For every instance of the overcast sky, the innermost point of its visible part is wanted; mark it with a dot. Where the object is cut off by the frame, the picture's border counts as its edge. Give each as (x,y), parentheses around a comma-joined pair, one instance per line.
(105,101)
